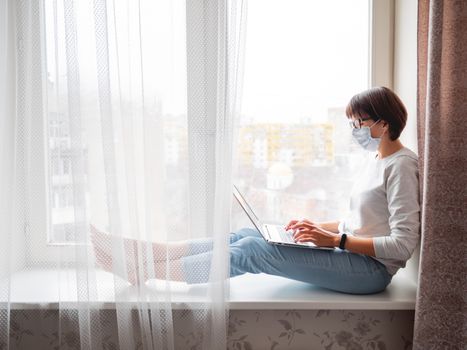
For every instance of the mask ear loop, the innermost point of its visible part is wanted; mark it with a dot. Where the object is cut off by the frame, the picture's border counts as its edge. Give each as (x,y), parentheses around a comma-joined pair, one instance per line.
(376,122)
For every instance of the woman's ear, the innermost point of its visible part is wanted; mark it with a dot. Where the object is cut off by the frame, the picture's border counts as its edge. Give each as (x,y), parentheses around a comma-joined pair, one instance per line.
(385,127)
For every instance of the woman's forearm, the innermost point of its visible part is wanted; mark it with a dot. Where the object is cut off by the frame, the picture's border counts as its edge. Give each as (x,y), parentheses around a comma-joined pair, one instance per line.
(359,245)
(330,226)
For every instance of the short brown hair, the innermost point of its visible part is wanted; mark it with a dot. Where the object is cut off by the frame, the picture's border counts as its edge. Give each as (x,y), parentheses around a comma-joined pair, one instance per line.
(379,103)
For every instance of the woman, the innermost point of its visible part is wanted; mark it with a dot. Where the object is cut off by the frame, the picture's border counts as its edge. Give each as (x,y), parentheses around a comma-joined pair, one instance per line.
(375,240)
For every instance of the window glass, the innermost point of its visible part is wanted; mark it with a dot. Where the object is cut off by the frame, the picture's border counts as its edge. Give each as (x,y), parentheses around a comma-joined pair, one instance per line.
(304,60)
(146,87)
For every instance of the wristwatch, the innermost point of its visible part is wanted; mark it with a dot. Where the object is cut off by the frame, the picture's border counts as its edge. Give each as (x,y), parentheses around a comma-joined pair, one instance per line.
(342,242)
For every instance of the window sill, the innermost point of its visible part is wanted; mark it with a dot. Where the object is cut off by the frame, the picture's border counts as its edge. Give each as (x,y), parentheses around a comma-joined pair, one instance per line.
(38,288)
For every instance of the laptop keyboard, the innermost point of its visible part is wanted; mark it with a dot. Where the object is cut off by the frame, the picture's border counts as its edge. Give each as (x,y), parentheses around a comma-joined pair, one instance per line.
(286,236)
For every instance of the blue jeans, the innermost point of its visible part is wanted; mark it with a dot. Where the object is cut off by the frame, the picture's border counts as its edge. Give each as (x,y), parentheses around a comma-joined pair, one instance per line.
(337,269)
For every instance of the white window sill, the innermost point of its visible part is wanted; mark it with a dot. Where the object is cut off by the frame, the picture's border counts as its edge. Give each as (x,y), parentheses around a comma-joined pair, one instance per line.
(35,288)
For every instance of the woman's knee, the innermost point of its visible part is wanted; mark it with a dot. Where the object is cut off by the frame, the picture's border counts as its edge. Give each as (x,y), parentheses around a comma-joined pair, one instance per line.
(245,248)
(243,255)
(248,232)
(250,243)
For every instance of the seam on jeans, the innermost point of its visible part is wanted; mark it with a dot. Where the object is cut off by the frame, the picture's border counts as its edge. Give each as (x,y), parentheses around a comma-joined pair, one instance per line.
(249,256)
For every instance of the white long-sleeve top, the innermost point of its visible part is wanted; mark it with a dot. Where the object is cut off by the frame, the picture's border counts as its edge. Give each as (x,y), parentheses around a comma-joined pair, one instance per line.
(384,204)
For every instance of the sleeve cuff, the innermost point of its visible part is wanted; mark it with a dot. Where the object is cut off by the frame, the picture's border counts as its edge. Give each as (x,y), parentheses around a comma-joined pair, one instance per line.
(378,246)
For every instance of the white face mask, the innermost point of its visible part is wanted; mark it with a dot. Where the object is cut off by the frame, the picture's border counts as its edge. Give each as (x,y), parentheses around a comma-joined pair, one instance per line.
(364,139)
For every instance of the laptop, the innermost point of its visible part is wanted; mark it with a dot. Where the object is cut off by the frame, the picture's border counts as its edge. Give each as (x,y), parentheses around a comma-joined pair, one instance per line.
(272,233)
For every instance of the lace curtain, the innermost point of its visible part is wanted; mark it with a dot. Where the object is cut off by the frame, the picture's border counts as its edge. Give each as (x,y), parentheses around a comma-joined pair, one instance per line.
(117,122)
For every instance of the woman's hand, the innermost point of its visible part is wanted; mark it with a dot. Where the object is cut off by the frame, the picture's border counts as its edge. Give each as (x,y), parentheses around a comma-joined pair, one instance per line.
(307,231)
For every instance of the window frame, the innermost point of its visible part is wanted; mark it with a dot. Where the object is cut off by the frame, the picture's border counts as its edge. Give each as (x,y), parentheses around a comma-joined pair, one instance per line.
(200,65)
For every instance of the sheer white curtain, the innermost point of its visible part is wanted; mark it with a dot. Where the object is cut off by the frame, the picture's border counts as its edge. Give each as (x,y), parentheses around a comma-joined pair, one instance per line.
(117,118)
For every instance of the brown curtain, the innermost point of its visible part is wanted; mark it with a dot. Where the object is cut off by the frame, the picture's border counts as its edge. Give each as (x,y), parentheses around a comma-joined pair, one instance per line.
(440,315)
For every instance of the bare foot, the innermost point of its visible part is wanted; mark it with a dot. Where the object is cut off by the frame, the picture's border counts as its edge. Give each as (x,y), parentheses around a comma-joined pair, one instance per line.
(103,242)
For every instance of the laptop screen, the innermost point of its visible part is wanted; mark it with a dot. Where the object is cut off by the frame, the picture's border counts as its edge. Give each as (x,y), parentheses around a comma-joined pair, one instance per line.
(246,207)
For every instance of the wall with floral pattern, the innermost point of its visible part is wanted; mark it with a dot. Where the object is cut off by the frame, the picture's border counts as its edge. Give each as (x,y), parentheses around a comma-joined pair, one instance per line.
(248,329)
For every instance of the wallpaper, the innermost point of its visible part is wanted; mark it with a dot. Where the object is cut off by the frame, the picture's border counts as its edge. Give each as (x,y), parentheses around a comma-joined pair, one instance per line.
(248,329)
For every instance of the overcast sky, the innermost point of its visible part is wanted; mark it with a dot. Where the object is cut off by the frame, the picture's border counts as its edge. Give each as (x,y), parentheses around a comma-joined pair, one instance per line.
(301,56)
